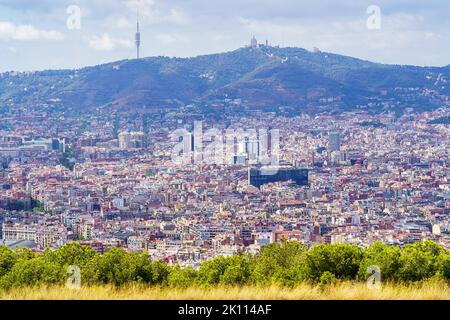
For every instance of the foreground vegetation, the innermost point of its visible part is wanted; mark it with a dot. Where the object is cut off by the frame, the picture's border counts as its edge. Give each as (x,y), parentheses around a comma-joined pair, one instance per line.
(428,290)
(288,265)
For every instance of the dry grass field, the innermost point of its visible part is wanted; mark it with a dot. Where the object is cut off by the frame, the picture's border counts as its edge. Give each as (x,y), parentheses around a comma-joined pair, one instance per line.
(342,291)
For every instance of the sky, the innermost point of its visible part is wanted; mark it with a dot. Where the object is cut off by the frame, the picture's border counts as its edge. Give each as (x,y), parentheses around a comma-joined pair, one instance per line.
(61,34)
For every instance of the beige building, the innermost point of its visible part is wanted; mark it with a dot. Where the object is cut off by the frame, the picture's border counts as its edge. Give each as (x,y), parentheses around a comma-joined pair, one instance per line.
(43,236)
(129,140)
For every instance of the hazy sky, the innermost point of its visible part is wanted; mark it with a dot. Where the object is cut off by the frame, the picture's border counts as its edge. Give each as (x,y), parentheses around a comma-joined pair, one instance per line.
(34,34)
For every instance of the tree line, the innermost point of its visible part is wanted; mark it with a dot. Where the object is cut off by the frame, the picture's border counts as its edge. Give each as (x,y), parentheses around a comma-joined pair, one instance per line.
(287,263)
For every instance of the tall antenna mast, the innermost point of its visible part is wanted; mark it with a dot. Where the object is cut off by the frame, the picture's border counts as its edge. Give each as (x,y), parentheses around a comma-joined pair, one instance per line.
(138,36)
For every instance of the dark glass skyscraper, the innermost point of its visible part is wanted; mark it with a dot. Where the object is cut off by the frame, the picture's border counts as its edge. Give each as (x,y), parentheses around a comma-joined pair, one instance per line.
(260,176)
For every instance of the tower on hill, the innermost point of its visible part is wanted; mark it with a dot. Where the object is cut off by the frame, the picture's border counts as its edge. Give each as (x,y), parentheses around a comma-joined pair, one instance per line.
(138,39)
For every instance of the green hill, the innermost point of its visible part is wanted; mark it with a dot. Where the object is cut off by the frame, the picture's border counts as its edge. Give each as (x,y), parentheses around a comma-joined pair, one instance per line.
(262,78)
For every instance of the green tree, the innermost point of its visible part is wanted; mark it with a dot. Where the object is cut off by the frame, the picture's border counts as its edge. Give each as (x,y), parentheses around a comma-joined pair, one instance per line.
(37,206)
(24,253)
(386,258)
(282,263)
(238,271)
(118,267)
(72,253)
(340,259)
(327,278)
(419,261)
(444,264)
(182,277)
(211,271)
(159,273)
(7,260)
(33,272)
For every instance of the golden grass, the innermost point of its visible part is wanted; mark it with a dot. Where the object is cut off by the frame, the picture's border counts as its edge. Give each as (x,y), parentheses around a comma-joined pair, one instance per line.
(342,291)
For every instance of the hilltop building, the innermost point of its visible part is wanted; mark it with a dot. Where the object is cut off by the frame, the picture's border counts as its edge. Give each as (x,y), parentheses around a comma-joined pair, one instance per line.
(255,45)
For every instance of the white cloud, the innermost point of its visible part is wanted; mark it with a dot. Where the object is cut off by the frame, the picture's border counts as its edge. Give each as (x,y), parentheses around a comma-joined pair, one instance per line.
(346,36)
(149,13)
(413,32)
(168,39)
(273,28)
(107,43)
(144,7)
(123,23)
(176,16)
(12,31)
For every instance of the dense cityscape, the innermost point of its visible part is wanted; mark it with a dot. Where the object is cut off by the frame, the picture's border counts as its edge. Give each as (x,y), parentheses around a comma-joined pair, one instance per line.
(225,159)
(112,179)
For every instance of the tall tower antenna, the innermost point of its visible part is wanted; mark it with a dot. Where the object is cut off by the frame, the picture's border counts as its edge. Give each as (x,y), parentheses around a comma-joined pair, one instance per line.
(138,36)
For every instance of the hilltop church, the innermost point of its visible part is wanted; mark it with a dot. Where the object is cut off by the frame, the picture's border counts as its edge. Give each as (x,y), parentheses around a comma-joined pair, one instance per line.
(254,43)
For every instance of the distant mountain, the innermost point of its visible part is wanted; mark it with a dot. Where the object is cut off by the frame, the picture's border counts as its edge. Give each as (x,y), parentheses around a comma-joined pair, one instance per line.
(256,78)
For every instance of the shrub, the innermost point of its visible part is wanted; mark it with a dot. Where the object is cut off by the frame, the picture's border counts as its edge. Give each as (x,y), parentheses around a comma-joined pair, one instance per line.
(33,272)
(7,260)
(159,273)
(419,261)
(182,277)
(25,254)
(211,271)
(327,278)
(341,259)
(118,267)
(287,263)
(282,263)
(238,270)
(444,265)
(386,258)
(72,253)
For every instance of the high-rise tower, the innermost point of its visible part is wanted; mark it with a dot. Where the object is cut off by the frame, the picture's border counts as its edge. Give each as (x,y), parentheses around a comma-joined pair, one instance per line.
(334,141)
(138,39)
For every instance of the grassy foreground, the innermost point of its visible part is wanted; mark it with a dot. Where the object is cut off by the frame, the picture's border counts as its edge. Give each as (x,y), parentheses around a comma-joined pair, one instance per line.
(340,291)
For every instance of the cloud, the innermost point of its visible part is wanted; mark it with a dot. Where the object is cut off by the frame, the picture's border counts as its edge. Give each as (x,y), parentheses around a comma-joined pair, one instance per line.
(144,7)
(349,36)
(107,43)
(152,14)
(412,31)
(12,49)
(168,39)
(123,23)
(176,16)
(27,32)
